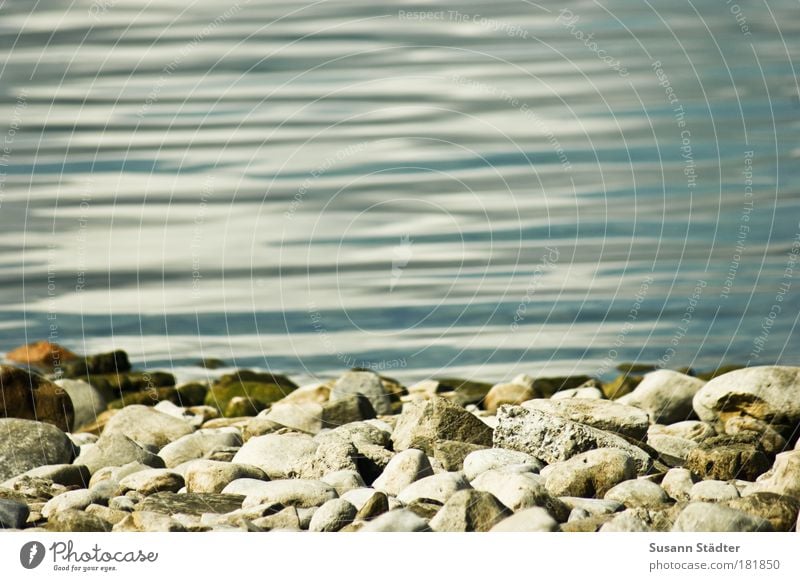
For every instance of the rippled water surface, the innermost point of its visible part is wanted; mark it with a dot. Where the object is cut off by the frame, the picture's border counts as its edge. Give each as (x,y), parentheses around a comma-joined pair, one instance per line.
(482,187)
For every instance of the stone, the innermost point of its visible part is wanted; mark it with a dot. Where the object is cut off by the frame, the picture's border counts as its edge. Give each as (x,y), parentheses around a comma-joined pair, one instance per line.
(279,456)
(64,474)
(331,455)
(366,383)
(403,469)
(110,515)
(151,522)
(148,482)
(769,439)
(260,389)
(672,450)
(332,516)
(114,362)
(468,511)
(70,500)
(122,503)
(709,517)
(439,487)
(591,506)
(312,393)
(421,424)
(285,519)
(87,402)
(586,525)
(610,416)
(359,496)
(548,386)
(712,491)
(507,393)
(678,483)
(578,392)
(192,503)
(518,491)
(451,454)
(26,444)
(694,430)
(42,354)
(621,386)
(529,520)
(116,450)
(715,459)
(554,439)
(27,396)
(638,494)
(77,521)
(462,392)
(781,511)
(198,444)
(480,461)
(344,480)
(147,427)
(396,521)
(591,473)
(783,477)
(212,476)
(376,505)
(625,522)
(13,514)
(768,393)
(665,395)
(295,492)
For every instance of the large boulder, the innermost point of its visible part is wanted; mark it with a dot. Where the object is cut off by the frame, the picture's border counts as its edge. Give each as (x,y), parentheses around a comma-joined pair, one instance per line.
(552,438)
(611,416)
(29,396)
(769,393)
(147,427)
(422,424)
(25,444)
(665,395)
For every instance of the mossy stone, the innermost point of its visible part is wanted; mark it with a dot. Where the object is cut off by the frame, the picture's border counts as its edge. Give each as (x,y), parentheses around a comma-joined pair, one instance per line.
(259,389)
(622,385)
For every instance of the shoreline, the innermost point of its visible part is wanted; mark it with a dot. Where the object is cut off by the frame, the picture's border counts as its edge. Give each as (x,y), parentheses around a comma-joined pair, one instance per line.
(109,448)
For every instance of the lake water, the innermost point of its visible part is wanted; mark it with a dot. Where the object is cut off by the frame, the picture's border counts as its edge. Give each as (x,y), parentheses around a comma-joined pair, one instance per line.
(485,189)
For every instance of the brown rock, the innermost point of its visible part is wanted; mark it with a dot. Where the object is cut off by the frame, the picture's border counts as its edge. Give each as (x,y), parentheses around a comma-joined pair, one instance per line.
(507,393)
(29,396)
(42,353)
(716,459)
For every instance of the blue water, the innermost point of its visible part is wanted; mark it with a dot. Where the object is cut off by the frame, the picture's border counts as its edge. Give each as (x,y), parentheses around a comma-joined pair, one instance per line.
(479,189)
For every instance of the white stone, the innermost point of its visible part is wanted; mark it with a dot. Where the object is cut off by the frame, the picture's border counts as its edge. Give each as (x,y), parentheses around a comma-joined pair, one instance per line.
(404,468)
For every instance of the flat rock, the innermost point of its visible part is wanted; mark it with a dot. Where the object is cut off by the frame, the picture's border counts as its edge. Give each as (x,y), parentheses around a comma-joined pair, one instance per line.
(605,415)
(591,473)
(769,393)
(64,474)
(468,511)
(332,516)
(366,383)
(70,500)
(279,456)
(295,492)
(148,482)
(439,487)
(519,491)
(403,469)
(638,494)
(528,520)
(146,521)
(28,396)
(192,503)
(146,426)
(578,392)
(26,444)
(116,450)
(198,444)
(665,395)
(422,424)
(713,491)
(480,461)
(554,439)
(396,521)
(715,518)
(77,521)
(41,353)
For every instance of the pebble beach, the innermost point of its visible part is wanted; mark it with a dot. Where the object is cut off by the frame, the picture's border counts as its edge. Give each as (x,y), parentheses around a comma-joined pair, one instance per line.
(89,443)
